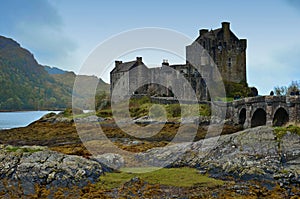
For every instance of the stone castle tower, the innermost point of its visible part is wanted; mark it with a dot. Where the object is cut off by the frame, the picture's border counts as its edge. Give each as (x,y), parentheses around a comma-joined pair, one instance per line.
(227,51)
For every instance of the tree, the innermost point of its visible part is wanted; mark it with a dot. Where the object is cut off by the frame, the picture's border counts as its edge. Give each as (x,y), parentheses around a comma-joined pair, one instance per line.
(9,103)
(280,90)
(102,100)
(294,88)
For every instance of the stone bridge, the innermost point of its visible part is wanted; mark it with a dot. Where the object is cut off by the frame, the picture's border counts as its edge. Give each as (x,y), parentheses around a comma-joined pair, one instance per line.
(264,110)
(251,111)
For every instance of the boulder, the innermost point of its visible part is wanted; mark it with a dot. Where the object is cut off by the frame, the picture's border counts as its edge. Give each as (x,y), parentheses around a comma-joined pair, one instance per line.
(30,167)
(110,160)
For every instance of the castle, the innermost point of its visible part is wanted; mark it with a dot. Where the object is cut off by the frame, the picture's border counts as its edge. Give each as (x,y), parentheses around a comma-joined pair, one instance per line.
(227,51)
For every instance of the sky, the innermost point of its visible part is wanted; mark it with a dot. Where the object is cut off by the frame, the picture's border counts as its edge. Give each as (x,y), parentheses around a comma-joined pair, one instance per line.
(63,33)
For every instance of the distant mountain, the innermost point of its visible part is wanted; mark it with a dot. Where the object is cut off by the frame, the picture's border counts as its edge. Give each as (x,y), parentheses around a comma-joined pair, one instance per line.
(54,70)
(27,85)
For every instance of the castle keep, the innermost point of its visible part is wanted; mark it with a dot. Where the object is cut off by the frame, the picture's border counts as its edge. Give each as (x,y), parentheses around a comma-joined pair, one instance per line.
(226,50)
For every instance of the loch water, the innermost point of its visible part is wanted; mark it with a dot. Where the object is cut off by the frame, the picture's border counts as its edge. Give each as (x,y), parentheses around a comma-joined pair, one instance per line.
(10,120)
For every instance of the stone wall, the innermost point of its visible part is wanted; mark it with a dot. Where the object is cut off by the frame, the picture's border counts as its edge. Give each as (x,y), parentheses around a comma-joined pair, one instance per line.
(233,111)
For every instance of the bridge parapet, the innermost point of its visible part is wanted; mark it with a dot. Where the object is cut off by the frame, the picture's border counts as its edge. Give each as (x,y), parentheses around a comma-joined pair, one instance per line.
(293,99)
(238,102)
(258,99)
(275,99)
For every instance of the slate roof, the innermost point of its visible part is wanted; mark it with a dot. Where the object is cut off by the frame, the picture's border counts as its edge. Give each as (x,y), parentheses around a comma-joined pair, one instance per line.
(124,67)
(214,34)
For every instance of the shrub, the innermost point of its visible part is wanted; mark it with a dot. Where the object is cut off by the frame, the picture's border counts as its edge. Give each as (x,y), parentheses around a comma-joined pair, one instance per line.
(280,132)
(174,110)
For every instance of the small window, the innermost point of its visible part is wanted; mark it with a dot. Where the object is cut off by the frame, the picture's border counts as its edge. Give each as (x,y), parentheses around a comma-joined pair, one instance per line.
(229,62)
(220,48)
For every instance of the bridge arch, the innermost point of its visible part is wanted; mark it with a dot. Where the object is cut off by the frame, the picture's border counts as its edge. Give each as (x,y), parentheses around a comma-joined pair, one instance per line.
(281,117)
(242,116)
(259,117)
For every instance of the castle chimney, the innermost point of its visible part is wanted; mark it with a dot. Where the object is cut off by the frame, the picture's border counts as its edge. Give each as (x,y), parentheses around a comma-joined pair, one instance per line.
(203,31)
(139,60)
(225,25)
(226,30)
(165,62)
(117,63)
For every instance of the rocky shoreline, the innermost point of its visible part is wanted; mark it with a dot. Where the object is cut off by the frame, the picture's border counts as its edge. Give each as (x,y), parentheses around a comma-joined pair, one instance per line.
(253,157)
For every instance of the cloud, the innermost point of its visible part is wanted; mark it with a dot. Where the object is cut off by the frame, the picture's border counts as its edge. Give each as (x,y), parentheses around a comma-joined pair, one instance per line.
(294,3)
(37,26)
(288,59)
(278,67)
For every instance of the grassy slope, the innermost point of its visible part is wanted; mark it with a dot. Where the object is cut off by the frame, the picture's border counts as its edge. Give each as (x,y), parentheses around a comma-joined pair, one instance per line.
(141,107)
(178,177)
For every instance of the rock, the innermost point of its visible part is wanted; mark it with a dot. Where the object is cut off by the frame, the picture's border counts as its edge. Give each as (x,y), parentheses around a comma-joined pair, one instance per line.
(163,156)
(149,120)
(202,171)
(91,118)
(114,161)
(46,167)
(249,154)
(63,120)
(49,115)
(56,118)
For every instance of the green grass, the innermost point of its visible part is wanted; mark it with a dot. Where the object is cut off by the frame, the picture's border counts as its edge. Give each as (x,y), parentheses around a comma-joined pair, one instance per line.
(178,177)
(280,132)
(22,149)
(12,148)
(139,109)
(68,113)
(83,115)
(225,99)
(105,113)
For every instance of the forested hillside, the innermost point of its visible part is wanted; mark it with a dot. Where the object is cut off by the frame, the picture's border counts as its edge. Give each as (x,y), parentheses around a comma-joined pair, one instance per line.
(27,85)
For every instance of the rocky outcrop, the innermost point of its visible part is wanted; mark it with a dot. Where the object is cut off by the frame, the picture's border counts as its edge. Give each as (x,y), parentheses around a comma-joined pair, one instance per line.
(251,154)
(55,118)
(30,166)
(115,161)
(61,118)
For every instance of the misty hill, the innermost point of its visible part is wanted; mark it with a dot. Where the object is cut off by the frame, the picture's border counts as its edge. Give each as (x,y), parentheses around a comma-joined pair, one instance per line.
(54,70)
(27,85)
